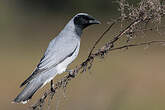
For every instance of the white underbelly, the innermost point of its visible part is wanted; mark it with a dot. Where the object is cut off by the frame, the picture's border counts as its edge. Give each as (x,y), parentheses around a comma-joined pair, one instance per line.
(61,67)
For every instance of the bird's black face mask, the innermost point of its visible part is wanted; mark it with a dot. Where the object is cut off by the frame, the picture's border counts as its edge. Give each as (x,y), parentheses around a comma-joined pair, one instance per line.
(82,21)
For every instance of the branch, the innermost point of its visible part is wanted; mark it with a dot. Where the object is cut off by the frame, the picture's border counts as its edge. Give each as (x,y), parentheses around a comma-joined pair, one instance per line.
(88,62)
(136,45)
(98,40)
(143,14)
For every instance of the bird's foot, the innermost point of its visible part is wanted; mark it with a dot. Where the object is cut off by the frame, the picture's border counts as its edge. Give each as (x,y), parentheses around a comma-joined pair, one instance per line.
(71,73)
(52,86)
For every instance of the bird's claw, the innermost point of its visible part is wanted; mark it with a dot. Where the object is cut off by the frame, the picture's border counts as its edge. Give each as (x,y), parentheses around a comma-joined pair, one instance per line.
(71,73)
(52,86)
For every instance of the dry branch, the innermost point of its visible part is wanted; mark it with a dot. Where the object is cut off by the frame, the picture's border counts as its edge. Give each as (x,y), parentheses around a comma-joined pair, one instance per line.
(146,12)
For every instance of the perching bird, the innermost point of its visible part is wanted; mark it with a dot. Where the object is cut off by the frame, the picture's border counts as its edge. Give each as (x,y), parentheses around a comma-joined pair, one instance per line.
(62,50)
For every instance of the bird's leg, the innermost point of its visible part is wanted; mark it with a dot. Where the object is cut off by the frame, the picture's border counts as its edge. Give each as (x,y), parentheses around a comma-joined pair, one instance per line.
(52,86)
(71,73)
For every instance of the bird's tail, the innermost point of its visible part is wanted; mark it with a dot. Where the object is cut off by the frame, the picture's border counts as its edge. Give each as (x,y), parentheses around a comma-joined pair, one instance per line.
(28,91)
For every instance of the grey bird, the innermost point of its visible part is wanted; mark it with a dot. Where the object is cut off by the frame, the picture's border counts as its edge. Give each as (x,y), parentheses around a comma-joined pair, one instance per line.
(62,50)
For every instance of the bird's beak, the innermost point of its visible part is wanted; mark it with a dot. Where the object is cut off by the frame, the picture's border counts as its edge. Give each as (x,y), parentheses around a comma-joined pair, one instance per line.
(94,22)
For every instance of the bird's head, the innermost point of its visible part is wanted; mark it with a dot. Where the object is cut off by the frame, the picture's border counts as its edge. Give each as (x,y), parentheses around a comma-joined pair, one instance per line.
(83,20)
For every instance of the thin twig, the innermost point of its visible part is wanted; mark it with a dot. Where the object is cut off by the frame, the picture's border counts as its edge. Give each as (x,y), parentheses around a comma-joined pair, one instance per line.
(135,45)
(99,39)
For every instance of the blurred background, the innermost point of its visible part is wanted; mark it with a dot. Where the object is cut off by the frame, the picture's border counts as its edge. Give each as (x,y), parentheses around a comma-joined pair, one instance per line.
(132,79)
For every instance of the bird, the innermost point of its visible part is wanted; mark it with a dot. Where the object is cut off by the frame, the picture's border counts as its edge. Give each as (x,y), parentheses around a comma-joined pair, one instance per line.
(61,51)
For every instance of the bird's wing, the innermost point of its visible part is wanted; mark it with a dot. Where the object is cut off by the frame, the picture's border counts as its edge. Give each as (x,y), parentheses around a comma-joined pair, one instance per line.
(58,50)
